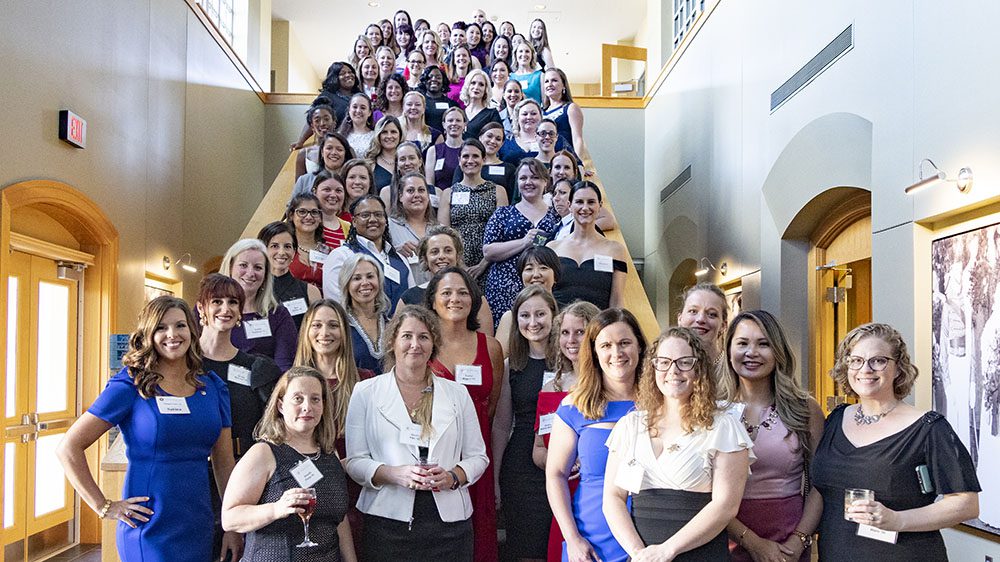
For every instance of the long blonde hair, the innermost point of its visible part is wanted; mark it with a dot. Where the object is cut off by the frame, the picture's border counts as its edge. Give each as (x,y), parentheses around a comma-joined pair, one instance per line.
(141,358)
(271,427)
(344,366)
(699,411)
(423,132)
(263,300)
(589,395)
(422,413)
(579,309)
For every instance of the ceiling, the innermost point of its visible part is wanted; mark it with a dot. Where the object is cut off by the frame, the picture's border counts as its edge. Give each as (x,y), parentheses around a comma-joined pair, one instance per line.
(577,28)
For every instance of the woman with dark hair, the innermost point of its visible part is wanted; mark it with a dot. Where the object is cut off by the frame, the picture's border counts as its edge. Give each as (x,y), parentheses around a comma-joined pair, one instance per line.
(474,359)
(608,379)
(399,19)
(522,484)
(329,189)
(369,235)
(389,99)
(434,86)
(494,169)
(499,74)
(421,25)
(334,150)
(416,62)
(513,94)
(513,229)
(358,127)
(460,64)
(476,97)
(388,35)
(704,309)
(501,51)
(297,431)
(489,35)
(558,105)
(537,265)
(779,512)
(474,40)
(340,84)
(540,43)
(594,267)
(382,152)
(410,216)
(406,43)
(374,34)
(507,29)
(306,218)
(547,135)
(172,416)
(876,445)
(282,247)
(679,457)
(368,77)
(358,181)
(469,204)
(409,160)
(320,119)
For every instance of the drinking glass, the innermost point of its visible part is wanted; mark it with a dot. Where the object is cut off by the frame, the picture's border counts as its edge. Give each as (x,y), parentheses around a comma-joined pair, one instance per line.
(852,495)
(309,508)
(428,463)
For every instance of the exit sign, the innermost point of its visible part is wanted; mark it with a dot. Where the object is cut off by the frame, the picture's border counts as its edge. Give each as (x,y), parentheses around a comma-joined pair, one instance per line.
(72,128)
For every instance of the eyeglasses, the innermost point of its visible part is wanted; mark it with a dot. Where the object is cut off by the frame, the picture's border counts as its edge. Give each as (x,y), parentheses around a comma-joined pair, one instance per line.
(415,61)
(303,213)
(877,363)
(367,215)
(683,364)
(546,134)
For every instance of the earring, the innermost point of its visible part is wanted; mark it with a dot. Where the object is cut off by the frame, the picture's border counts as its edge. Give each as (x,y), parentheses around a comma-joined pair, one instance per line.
(239,322)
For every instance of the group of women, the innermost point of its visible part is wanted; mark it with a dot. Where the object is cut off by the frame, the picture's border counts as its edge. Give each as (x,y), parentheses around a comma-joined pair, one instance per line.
(342,375)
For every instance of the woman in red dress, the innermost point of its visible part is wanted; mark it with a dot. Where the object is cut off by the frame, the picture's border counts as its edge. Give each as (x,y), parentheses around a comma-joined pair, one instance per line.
(475,360)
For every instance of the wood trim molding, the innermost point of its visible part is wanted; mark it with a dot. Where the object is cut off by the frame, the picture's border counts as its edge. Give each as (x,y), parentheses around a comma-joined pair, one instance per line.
(840,217)
(29,245)
(609,52)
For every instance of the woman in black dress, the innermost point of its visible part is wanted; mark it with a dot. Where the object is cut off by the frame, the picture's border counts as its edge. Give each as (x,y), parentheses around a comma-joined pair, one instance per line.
(882,444)
(282,249)
(522,484)
(476,97)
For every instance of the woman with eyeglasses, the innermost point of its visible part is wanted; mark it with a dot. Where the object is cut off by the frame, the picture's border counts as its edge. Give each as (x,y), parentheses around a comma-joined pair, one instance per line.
(919,473)
(416,62)
(547,135)
(305,216)
(679,457)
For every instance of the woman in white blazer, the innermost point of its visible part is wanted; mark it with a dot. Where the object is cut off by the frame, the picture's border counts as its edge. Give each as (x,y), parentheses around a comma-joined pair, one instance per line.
(414,444)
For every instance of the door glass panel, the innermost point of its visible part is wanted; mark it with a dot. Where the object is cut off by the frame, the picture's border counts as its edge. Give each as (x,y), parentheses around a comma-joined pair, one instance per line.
(11,408)
(53,347)
(50,483)
(8,485)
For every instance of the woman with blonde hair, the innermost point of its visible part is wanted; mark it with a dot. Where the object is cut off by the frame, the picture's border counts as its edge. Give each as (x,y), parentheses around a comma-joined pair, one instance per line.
(430,46)
(367,308)
(266,328)
(269,483)
(524,139)
(382,152)
(475,95)
(780,511)
(362,48)
(172,416)
(386,59)
(414,443)
(415,127)
(705,310)
(610,369)
(526,71)
(679,456)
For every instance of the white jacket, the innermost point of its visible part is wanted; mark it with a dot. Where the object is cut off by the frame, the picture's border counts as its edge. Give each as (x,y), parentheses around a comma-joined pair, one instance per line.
(374,418)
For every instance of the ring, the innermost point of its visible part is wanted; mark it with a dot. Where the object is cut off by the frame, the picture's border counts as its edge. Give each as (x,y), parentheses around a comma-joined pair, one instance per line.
(128,513)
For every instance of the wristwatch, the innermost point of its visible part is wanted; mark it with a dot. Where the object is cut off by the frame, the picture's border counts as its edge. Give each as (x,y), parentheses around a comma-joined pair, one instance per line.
(807,540)
(457,482)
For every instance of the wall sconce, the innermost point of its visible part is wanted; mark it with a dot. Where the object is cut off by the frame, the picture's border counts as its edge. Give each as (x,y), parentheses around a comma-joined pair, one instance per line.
(963,182)
(707,265)
(180,261)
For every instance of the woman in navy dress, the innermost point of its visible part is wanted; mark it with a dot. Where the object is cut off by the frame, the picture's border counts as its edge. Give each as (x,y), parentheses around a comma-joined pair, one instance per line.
(610,368)
(172,416)
(513,229)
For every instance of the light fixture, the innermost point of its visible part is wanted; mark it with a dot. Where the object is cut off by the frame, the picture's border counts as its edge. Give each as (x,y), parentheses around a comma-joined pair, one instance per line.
(373,4)
(540,7)
(707,265)
(180,261)
(963,182)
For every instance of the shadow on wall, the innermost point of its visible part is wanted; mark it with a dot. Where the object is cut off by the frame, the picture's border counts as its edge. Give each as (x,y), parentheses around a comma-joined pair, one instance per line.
(682,278)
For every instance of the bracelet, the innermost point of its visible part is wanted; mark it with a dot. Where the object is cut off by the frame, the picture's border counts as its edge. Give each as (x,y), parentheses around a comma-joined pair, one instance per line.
(739,541)
(103,512)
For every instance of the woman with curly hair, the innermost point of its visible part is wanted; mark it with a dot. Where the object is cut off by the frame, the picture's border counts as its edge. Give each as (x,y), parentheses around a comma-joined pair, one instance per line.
(389,97)
(679,456)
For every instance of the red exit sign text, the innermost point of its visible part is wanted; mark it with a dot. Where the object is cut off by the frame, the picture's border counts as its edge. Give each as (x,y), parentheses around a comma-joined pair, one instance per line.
(72,128)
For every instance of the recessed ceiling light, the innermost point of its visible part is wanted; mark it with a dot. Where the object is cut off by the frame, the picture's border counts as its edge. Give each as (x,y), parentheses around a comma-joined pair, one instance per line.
(373,4)
(539,6)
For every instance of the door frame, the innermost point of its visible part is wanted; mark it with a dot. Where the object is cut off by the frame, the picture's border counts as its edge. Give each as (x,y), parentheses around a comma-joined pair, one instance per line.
(98,237)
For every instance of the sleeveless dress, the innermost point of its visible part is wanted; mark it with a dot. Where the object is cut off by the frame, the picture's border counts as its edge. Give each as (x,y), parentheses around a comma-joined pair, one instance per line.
(522,484)
(548,403)
(444,173)
(288,289)
(276,542)
(588,501)
(470,219)
(561,116)
(888,467)
(166,461)
(367,354)
(483,494)
(581,282)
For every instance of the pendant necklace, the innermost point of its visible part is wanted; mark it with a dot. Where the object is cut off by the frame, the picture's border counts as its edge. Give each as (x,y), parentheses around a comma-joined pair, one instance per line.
(861,418)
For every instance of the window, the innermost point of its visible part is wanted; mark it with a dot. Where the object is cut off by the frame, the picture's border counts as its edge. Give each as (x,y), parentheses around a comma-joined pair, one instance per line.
(222,15)
(685,13)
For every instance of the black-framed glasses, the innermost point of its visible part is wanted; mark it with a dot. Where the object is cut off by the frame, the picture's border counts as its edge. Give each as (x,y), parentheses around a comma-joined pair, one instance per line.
(303,213)
(547,134)
(877,363)
(366,215)
(683,364)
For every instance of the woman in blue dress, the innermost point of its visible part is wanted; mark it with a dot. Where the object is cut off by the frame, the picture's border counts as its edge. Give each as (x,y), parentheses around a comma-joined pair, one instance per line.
(610,367)
(513,229)
(172,416)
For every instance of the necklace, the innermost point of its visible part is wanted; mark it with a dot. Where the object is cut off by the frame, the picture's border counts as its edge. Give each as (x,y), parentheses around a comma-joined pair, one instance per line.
(313,457)
(772,414)
(861,418)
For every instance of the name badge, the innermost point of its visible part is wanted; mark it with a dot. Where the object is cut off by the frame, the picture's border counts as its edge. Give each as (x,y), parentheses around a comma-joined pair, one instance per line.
(547,377)
(870,532)
(545,424)
(460,198)
(172,405)
(438,165)
(435,200)
(239,375)
(441,105)
(317,256)
(603,263)
(392,274)
(305,473)
(257,328)
(471,375)
(413,260)
(495,170)
(296,306)
(629,476)
(409,434)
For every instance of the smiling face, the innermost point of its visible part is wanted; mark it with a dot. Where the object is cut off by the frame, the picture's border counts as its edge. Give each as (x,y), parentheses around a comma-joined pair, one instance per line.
(441,253)
(325,332)
(453,299)
(470,160)
(413,196)
(507,29)
(248,270)
(512,93)
(457,37)
(703,312)
(363,286)
(407,159)
(674,383)
(536,30)
(393,92)
(489,33)
(617,349)
(347,78)
(400,18)
(516,40)
(331,196)
(403,39)
(537,273)
(473,36)
(172,336)
(220,313)
(454,123)
(585,205)
(750,351)
(429,46)
(435,80)
(281,251)
(444,32)
(534,320)
(386,26)
(546,137)
(528,117)
(307,217)
(529,184)
(358,181)
(866,382)
(522,54)
(361,49)
(563,167)
(413,344)
(390,136)
(369,70)
(360,110)
(501,50)
(322,122)
(374,35)
(413,106)
(302,405)
(553,85)
(386,62)
(571,332)
(492,140)
(499,73)
(333,154)
(370,220)
(416,62)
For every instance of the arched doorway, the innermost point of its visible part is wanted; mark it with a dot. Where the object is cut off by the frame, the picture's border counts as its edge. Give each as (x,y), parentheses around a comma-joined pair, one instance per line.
(682,278)
(59,280)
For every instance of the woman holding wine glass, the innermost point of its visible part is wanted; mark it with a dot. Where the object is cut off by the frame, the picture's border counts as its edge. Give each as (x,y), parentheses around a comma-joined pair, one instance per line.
(293,469)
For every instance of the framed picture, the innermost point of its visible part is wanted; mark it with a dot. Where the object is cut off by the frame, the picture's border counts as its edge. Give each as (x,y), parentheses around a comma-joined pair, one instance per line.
(965,352)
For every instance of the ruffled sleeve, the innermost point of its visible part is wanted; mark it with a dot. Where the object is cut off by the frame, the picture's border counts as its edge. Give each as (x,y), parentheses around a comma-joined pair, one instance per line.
(624,435)
(726,436)
(116,400)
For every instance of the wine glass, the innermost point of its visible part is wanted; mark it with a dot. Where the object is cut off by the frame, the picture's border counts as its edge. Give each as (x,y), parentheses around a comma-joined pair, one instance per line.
(308,508)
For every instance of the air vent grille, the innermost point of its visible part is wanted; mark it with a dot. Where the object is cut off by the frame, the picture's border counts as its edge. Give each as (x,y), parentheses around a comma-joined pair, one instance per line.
(836,49)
